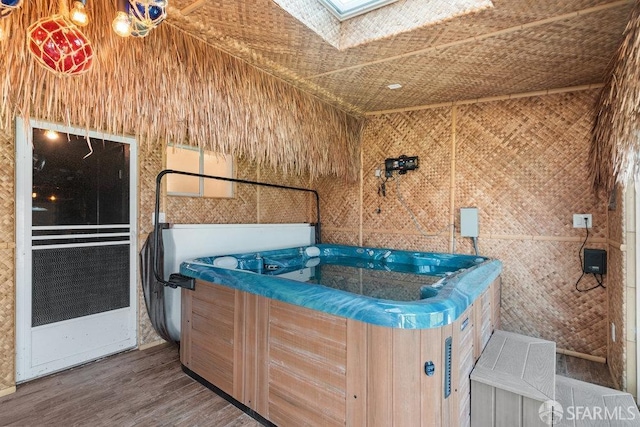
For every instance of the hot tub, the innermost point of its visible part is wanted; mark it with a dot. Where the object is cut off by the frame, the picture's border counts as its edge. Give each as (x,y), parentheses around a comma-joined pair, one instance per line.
(341,335)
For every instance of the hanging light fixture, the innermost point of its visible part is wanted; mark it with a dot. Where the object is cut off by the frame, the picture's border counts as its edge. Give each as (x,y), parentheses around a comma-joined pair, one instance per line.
(78,14)
(149,12)
(8,6)
(60,46)
(4,31)
(146,15)
(138,29)
(122,23)
(51,135)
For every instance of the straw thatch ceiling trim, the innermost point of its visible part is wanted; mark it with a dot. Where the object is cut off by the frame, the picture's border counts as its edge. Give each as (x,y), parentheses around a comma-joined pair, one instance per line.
(173,87)
(239,50)
(488,99)
(231,46)
(615,148)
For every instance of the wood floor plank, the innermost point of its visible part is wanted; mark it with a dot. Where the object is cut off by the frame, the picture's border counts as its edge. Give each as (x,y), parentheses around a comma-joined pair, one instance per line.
(137,388)
(584,370)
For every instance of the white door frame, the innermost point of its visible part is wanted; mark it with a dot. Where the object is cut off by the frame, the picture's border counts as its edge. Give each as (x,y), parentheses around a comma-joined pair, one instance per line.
(23,180)
(637,284)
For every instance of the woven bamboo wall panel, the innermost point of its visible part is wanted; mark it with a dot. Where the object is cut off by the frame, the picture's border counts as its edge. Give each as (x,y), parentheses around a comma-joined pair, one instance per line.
(406,242)
(7,262)
(464,245)
(539,298)
(616,357)
(341,237)
(237,210)
(523,163)
(285,206)
(149,165)
(7,186)
(462,71)
(339,202)
(425,191)
(7,316)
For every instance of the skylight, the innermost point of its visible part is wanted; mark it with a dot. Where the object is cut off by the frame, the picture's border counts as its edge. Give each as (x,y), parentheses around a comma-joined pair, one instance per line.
(348,23)
(345,9)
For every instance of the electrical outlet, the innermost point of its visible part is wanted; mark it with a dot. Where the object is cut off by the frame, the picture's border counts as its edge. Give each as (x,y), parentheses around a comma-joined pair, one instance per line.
(579,221)
(378,173)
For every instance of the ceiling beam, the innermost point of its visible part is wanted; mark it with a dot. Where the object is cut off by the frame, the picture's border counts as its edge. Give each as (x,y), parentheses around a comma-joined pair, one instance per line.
(193,7)
(488,99)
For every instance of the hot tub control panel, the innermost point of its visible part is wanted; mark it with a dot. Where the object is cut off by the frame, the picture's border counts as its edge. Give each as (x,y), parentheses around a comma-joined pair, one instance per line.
(401,164)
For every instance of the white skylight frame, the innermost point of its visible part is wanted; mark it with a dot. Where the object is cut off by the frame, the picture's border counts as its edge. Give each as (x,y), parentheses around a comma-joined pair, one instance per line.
(345,9)
(376,24)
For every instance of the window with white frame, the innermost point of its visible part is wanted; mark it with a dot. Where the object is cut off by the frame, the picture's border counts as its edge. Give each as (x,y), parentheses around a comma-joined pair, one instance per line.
(197,160)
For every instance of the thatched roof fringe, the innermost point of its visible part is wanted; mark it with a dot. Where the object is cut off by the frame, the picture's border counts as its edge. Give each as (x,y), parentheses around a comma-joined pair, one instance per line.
(173,87)
(615,148)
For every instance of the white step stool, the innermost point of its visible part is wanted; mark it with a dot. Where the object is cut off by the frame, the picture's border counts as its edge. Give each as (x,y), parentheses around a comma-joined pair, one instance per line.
(514,384)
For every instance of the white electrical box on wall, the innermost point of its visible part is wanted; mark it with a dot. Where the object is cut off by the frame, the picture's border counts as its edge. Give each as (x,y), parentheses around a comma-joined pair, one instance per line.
(469,222)
(582,220)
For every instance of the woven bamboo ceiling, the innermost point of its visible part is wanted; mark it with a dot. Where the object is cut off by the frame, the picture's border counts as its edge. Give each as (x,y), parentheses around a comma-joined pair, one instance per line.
(499,48)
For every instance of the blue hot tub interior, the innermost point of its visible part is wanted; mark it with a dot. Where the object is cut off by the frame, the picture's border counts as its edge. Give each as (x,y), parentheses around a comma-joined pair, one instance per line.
(376,273)
(381,286)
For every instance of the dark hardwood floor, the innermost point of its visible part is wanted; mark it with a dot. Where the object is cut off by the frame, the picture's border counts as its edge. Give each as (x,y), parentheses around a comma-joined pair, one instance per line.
(148,388)
(137,388)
